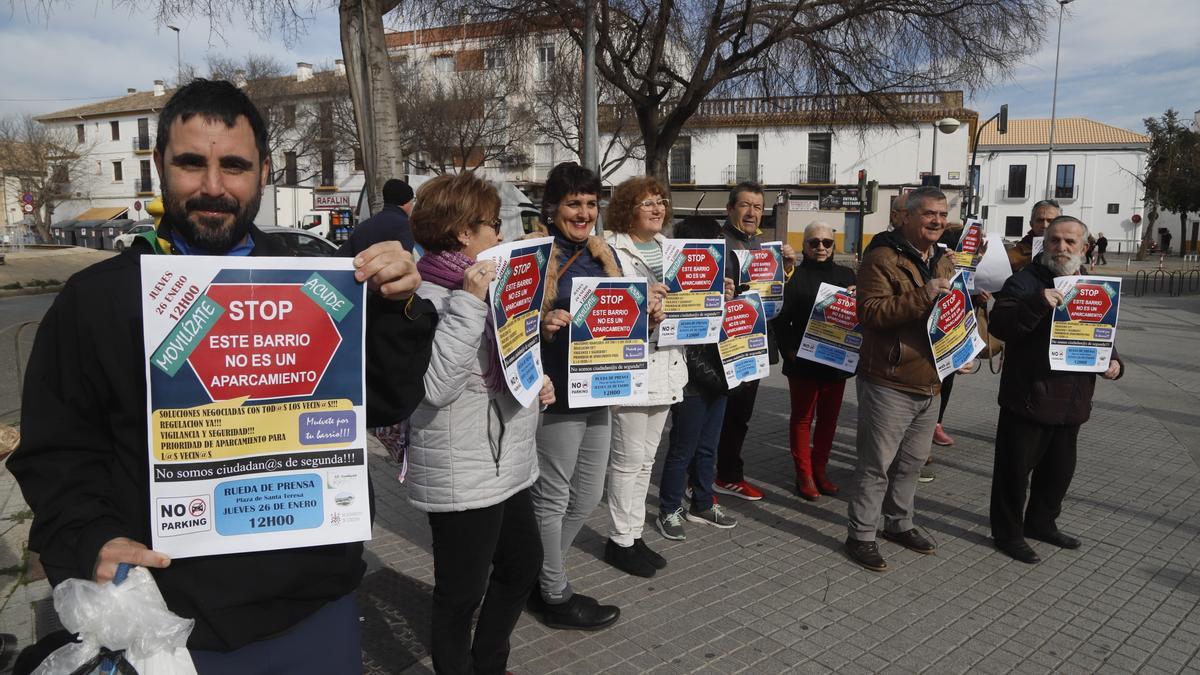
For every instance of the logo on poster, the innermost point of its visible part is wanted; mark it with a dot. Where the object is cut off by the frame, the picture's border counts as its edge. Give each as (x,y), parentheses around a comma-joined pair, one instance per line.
(951,309)
(698,271)
(517,295)
(740,317)
(183,515)
(843,312)
(1090,304)
(764,265)
(614,314)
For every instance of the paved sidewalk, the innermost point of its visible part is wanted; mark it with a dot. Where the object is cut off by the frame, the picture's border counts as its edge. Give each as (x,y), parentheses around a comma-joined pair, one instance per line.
(775,594)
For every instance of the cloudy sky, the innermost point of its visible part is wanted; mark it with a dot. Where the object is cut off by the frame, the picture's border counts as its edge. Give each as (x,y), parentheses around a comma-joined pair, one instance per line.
(1122,60)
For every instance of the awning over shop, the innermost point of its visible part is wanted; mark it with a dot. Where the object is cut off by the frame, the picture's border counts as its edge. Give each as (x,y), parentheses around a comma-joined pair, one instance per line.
(104,213)
(687,202)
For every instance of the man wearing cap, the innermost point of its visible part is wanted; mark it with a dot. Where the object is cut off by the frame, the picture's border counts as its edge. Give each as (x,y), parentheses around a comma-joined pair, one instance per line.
(390,224)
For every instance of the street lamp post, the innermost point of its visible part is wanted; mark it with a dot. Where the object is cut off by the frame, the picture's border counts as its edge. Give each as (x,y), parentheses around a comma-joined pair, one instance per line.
(946,125)
(178,59)
(972,195)
(1054,102)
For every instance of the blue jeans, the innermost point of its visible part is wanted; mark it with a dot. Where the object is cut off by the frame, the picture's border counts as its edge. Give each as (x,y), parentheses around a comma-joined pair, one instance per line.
(692,453)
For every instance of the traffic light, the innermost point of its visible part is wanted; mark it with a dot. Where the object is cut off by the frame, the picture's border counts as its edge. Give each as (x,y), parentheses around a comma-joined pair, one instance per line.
(872,196)
(1002,124)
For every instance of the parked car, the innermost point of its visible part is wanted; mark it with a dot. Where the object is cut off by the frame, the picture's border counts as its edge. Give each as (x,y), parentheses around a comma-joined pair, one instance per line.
(125,239)
(301,243)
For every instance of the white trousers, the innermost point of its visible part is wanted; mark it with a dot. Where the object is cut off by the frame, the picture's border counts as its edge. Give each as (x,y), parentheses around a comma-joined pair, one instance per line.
(636,432)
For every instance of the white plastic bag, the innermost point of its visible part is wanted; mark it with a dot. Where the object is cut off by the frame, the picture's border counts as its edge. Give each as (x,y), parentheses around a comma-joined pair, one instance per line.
(131,616)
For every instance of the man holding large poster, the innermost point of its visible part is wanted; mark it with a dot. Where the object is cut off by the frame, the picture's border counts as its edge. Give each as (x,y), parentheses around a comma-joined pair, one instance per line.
(1041,408)
(83,463)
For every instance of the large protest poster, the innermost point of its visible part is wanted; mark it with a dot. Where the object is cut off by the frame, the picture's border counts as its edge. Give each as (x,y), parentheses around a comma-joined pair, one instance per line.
(256,403)
(607,363)
(762,271)
(743,344)
(969,251)
(516,311)
(1084,327)
(953,329)
(833,336)
(695,302)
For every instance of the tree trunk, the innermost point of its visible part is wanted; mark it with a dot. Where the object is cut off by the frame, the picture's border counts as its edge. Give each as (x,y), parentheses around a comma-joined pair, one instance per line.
(373,92)
(1183,240)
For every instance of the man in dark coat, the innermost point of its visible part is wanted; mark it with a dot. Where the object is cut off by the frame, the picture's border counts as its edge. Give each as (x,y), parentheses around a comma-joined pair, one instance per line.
(390,224)
(1041,409)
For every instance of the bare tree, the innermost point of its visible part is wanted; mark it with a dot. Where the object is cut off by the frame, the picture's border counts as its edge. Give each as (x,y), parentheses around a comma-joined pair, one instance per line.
(43,160)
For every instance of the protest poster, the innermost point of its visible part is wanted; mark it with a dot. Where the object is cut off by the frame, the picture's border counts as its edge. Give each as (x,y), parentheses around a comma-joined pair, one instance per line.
(693,270)
(833,336)
(255,403)
(953,330)
(762,271)
(515,303)
(969,251)
(1036,245)
(607,361)
(994,269)
(1084,327)
(743,344)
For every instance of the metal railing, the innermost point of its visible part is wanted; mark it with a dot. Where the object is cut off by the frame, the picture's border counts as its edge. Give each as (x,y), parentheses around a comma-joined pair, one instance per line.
(814,173)
(142,143)
(1004,195)
(685,177)
(144,186)
(736,173)
(1066,192)
(822,104)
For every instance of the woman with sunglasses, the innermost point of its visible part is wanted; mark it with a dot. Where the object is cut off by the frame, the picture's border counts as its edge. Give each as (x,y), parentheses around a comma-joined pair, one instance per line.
(472,458)
(816,389)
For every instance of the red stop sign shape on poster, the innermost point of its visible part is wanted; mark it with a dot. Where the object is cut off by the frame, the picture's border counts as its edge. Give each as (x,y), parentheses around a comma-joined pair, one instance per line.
(271,342)
(1090,304)
(952,307)
(972,240)
(614,315)
(740,317)
(763,265)
(843,312)
(517,295)
(698,270)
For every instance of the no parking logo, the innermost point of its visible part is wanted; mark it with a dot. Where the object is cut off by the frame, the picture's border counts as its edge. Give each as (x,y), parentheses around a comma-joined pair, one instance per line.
(183,515)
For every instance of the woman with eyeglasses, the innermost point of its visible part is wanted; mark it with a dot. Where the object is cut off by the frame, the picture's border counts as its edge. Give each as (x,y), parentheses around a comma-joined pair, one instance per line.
(634,223)
(472,458)
(816,389)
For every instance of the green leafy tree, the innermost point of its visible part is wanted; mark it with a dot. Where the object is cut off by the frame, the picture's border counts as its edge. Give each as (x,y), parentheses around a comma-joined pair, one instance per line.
(1172,173)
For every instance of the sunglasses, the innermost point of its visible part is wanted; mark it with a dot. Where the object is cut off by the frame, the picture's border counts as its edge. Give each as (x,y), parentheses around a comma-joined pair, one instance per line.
(494,223)
(820,243)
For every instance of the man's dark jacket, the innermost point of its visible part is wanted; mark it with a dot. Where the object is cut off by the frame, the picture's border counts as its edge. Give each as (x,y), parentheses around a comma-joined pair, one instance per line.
(83,469)
(390,224)
(1028,387)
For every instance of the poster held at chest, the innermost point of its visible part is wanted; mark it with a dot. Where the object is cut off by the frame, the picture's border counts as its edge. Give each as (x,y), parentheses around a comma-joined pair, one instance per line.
(255,405)
(953,330)
(969,251)
(1084,327)
(762,270)
(607,362)
(833,336)
(743,344)
(694,275)
(515,303)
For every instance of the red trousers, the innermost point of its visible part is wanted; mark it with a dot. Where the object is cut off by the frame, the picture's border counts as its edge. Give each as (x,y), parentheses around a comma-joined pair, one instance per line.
(820,400)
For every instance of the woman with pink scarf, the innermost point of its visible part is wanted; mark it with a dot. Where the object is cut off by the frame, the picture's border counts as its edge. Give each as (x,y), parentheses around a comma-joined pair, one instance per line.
(472,456)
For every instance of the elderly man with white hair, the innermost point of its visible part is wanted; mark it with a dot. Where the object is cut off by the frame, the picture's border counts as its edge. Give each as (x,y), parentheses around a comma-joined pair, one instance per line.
(816,389)
(1041,409)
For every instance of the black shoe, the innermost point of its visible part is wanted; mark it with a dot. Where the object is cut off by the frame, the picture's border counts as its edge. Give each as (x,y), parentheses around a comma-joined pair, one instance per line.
(653,558)
(1057,538)
(1019,550)
(580,612)
(865,553)
(627,559)
(911,540)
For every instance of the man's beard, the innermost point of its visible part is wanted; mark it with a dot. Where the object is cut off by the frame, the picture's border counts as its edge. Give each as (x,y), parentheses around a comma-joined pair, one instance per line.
(1067,268)
(211,235)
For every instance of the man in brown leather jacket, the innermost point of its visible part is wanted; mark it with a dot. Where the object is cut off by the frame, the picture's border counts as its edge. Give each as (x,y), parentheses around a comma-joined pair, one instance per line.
(899,280)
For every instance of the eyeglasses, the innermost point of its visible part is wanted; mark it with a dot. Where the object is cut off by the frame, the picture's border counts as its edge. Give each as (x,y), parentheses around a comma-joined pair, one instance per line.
(494,223)
(651,203)
(757,208)
(820,243)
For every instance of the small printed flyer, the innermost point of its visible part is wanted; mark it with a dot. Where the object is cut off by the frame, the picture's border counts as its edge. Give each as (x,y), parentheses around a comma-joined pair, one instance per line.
(762,270)
(1084,327)
(607,362)
(695,302)
(743,344)
(256,403)
(833,336)
(516,307)
(970,249)
(953,330)
(1036,245)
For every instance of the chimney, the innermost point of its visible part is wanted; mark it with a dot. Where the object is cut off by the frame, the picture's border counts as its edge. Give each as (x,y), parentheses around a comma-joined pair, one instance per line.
(130,90)
(239,79)
(340,66)
(303,71)
(159,88)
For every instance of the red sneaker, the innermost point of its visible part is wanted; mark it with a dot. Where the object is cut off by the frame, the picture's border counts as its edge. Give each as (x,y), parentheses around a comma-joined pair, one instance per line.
(940,437)
(739,489)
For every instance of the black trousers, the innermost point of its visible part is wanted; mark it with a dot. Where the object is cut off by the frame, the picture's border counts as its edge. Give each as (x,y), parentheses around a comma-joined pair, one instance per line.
(738,410)
(503,537)
(1024,447)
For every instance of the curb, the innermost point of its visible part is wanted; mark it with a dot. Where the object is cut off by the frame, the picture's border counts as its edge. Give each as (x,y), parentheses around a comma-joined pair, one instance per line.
(37,290)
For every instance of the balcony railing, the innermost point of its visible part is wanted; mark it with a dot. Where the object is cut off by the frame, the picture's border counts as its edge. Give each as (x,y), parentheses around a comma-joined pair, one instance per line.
(682,175)
(144,186)
(1066,193)
(812,104)
(734,174)
(814,173)
(142,144)
(1016,194)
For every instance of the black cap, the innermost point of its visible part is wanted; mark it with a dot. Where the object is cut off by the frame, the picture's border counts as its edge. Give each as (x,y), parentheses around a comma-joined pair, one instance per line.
(397,192)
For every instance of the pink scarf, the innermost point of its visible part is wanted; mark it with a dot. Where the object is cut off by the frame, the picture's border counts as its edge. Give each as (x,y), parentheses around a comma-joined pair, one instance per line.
(445,269)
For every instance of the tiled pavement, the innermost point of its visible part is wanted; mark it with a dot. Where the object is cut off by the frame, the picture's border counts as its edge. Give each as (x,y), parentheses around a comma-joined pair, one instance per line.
(775,594)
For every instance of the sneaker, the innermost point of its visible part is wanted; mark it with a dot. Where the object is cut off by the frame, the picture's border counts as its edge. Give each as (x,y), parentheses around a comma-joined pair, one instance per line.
(715,516)
(940,437)
(927,474)
(670,525)
(739,489)
(651,557)
(627,559)
(911,540)
(865,553)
